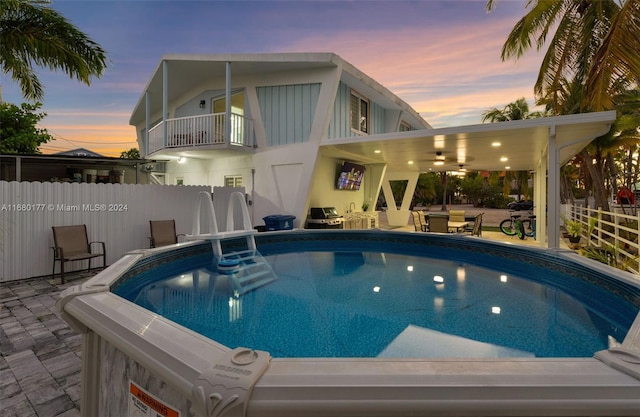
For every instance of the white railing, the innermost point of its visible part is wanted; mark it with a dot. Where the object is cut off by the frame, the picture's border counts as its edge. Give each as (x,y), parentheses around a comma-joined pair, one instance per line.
(618,232)
(194,131)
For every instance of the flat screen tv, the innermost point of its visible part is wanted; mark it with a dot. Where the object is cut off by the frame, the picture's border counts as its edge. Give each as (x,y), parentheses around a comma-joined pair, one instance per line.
(350,176)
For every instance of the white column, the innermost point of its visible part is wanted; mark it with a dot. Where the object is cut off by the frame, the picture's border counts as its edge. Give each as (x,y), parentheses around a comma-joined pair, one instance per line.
(165,99)
(227,107)
(147,102)
(553,192)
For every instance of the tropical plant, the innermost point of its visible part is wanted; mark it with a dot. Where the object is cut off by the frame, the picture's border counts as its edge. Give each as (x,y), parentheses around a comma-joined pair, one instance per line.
(592,60)
(18,131)
(32,33)
(593,42)
(573,228)
(132,153)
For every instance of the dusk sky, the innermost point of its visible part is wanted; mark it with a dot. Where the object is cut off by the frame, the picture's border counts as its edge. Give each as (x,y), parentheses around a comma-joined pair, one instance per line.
(441,57)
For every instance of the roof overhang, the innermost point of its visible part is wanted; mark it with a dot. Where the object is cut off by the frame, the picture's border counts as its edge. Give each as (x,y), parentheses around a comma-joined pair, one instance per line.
(522,144)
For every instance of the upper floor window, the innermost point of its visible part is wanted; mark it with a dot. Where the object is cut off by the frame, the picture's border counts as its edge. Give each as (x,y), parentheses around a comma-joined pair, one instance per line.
(359,113)
(233,180)
(405,127)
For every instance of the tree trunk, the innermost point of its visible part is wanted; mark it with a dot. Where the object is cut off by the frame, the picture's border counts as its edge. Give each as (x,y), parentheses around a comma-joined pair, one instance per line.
(597,181)
(444,179)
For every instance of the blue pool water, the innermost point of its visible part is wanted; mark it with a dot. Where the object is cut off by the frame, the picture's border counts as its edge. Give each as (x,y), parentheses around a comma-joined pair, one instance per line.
(392,297)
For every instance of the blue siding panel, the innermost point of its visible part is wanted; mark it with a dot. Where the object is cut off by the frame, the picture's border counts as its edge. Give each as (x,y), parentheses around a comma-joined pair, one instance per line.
(288,111)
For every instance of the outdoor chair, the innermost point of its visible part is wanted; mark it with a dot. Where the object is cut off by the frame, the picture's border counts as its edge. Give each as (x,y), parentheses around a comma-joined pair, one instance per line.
(163,233)
(72,244)
(477,226)
(418,224)
(456,216)
(439,224)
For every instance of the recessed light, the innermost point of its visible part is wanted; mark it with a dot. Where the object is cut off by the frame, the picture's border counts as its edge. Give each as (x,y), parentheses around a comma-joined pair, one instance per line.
(438,163)
(410,162)
(496,144)
(377,151)
(504,159)
(507,167)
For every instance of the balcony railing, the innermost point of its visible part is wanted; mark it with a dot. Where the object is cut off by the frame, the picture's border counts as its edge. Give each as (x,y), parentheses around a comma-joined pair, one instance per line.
(196,131)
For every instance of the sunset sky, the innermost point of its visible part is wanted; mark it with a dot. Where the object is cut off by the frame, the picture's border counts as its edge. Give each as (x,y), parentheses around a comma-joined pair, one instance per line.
(442,57)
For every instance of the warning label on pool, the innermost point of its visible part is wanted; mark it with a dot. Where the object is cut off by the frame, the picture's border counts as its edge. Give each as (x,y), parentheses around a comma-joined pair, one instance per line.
(143,404)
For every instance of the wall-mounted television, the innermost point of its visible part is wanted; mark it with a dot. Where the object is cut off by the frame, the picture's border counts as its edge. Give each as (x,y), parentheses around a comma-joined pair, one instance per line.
(350,176)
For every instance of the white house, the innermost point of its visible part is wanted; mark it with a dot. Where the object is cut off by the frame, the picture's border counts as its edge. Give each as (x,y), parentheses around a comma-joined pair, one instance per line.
(283,124)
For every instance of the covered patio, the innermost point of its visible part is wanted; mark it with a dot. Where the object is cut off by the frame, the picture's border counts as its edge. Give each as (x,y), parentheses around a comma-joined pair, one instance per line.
(540,145)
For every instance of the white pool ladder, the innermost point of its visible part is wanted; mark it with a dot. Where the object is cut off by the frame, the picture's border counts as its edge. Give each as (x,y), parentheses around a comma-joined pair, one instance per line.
(252,269)
(236,202)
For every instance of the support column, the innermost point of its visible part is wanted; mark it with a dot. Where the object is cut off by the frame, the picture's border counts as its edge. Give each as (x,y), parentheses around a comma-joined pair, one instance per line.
(227,107)
(147,116)
(553,192)
(165,100)
(395,216)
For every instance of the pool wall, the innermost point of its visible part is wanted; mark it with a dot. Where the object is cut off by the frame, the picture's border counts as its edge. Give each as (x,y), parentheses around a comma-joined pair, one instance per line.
(125,345)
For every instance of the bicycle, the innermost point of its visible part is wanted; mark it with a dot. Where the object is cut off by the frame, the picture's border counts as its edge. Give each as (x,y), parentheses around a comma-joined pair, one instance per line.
(518,225)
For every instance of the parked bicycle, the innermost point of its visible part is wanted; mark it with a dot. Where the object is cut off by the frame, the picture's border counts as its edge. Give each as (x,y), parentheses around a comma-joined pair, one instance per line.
(519,225)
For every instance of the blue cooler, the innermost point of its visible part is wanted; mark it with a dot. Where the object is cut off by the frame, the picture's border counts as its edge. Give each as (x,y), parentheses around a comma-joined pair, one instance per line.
(278,222)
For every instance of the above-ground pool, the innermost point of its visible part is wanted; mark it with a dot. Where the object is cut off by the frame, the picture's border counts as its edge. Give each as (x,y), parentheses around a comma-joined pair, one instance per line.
(361,323)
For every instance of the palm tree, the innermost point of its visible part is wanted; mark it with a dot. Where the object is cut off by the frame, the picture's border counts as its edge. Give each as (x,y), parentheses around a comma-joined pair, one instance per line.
(33,34)
(595,43)
(518,110)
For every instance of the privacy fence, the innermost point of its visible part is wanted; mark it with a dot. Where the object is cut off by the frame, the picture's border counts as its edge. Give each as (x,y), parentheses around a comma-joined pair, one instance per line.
(610,237)
(117,214)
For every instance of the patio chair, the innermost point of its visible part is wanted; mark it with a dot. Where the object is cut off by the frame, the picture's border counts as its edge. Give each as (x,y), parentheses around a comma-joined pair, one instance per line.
(72,244)
(439,224)
(477,226)
(456,216)
(418,224)
(163,233)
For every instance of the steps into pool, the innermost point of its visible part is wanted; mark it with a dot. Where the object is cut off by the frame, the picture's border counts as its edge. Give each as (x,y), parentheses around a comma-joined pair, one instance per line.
(247,270)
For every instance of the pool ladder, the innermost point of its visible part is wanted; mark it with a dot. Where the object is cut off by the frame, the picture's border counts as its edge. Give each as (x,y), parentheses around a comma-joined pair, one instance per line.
(247,269)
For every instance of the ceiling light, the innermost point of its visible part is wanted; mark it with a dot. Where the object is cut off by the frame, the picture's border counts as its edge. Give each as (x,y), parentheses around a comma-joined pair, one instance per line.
(181,160)
(438,163)
(507,167)
(504,159)
(496,144)
(377,151)
(410,162)
(495,310)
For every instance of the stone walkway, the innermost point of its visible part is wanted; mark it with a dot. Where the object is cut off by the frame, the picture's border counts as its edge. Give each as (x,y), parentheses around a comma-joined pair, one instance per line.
(41,355)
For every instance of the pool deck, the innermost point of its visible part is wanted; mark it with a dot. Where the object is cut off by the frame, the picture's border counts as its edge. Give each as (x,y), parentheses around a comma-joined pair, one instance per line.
(41,360)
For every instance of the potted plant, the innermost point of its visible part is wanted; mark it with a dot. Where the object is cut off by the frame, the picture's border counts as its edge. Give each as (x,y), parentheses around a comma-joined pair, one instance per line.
(574,229)
(365,206)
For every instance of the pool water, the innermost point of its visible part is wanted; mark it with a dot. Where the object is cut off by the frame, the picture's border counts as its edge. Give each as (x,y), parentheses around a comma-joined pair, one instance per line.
(385,304)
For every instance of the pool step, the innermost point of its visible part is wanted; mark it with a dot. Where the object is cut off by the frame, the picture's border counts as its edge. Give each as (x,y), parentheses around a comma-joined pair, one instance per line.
(252,271)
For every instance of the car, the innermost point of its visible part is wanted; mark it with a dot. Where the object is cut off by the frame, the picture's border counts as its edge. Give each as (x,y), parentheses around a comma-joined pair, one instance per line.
(520,205)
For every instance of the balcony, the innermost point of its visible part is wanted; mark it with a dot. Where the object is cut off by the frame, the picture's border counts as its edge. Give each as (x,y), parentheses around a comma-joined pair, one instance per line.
(201,132)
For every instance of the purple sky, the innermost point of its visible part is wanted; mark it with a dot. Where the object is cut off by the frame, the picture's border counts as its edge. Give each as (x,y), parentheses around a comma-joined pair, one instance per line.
(442,57)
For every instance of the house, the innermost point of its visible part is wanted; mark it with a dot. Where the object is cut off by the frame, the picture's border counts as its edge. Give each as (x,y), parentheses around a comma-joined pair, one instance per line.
(285,125)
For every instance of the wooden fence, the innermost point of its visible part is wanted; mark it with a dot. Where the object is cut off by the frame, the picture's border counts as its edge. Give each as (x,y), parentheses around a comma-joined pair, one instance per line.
(618,232)
(117,214)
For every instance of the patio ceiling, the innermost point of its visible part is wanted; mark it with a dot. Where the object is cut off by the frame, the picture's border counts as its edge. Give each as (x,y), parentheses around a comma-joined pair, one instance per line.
(522,142)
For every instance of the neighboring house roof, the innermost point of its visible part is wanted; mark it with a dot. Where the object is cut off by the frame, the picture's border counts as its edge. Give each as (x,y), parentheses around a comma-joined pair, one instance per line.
(79,152)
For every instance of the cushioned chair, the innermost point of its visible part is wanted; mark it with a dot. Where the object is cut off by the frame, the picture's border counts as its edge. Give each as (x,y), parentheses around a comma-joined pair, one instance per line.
(163,233)
(72,244)
(439,224)
(456,216)
(418,222)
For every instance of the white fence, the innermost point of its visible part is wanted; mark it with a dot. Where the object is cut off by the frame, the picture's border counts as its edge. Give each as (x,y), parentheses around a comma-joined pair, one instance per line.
(117,214)
(621,232)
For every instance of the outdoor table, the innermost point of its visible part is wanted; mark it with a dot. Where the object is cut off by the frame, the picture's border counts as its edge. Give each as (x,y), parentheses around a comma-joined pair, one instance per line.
(457,225)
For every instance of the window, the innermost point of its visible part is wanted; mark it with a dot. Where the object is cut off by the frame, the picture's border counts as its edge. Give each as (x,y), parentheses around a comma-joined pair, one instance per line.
(359,113)
(179,181)
(405,127)
(233,180)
